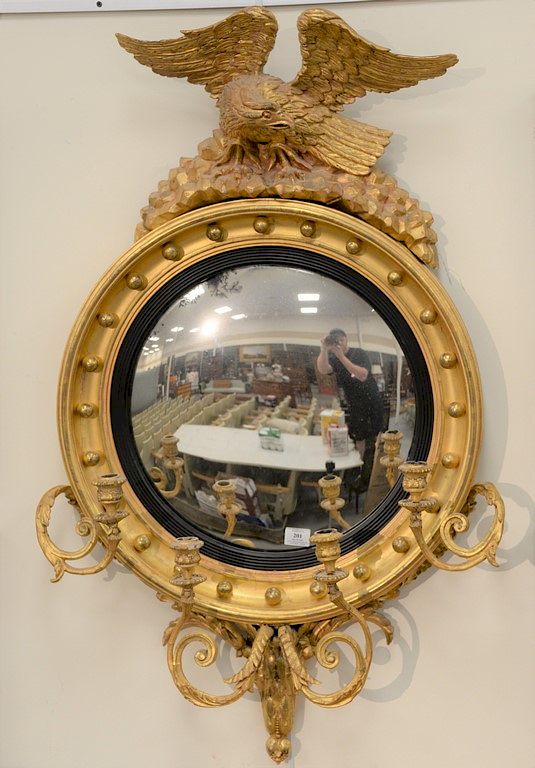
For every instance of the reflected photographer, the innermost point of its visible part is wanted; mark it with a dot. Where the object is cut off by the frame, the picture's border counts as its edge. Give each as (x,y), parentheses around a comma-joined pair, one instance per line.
(352,368)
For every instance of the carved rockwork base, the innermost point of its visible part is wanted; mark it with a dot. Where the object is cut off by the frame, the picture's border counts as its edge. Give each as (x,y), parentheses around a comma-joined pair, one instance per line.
(376,198)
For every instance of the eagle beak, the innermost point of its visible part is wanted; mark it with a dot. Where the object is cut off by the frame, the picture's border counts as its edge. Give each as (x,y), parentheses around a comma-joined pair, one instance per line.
(286,123)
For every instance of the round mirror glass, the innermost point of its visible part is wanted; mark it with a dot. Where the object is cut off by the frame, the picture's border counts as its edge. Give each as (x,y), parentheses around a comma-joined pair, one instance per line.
(256,383)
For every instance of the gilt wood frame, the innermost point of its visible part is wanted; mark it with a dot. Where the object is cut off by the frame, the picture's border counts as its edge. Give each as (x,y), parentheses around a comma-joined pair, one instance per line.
(392,556)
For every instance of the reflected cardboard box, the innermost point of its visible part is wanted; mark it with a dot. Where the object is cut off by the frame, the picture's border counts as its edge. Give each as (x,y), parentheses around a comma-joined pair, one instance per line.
(331,417)
(271,438)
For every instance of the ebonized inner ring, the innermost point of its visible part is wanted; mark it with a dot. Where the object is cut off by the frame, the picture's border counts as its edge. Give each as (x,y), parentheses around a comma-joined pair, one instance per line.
(123,378)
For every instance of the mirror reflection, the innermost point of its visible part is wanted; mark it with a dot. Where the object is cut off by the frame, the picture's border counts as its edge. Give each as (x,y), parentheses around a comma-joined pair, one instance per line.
(256,384)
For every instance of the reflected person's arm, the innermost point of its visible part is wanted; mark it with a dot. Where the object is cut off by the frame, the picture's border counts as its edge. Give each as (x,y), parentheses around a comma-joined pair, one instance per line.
(358,371)
(322,363)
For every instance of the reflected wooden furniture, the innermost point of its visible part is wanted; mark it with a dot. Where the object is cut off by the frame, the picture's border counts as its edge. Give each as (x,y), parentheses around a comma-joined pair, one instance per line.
(184,390)
(299,382)
(278,389)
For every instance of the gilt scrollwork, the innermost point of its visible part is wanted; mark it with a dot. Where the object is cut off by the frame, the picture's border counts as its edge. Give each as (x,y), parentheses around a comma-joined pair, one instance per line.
(242,681)
(106,523)
(171,464)
(453,523)
(275,656)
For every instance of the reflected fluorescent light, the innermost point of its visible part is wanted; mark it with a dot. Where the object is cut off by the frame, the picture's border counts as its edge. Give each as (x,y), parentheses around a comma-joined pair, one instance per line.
(145,349)
(154,338)
(177,329)
(373,310)
(194,330)
(308,297)
(194,293)
(210,328)
(309,310)
(222,310)
(145,354)
(238,317)
(168,340)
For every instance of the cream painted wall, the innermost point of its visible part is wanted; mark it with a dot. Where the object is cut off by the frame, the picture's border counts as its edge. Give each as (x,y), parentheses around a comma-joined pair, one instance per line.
(86,135)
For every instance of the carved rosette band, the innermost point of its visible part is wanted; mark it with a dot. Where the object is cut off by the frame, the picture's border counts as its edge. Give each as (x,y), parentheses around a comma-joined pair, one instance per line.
(105,526)
(415,482)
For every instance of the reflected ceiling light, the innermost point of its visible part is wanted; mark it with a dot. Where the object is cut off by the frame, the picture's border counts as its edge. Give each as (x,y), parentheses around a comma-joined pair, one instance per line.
(194,330)
(154,338)
(194,293)
(222,310)
(145,349)
(308,297)
(309,310)
(168,340)
(209,328)
(177,329)
(238,317)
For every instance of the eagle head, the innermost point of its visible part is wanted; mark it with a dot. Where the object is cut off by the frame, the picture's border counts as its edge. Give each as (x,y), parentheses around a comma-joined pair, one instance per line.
(253,107)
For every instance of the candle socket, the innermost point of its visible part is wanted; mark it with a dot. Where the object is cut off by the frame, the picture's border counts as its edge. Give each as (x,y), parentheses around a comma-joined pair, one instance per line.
(332,503)
(391,460)
(169,447)
(227,506)
(110,495)
(415,474)
(327,543)
(187,557)
(167,454)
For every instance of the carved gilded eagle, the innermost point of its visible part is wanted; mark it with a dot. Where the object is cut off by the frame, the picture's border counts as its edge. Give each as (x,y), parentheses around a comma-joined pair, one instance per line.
(266,121)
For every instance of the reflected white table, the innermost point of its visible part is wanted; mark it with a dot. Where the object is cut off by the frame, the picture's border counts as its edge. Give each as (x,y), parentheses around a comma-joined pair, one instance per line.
(231,446)
(228,445)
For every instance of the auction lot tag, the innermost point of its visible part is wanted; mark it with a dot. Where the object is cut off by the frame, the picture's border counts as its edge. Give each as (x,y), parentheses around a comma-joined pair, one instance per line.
(297,537)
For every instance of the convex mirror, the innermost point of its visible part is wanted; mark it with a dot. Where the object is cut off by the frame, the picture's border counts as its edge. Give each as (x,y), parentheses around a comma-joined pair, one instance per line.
(265,375)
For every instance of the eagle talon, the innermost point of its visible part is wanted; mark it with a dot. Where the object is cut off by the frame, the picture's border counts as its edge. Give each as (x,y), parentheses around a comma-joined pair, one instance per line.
(296,127)
(286,157)
(235,153)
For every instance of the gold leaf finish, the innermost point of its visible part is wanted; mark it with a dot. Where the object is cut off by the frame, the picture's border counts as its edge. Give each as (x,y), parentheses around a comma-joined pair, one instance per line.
(335,55)
(281,156)
(86,526)
(227,504)
(454,523)
(275,658)
(238,45)
(270,128)
(170,465)
(378,256)
(391,461)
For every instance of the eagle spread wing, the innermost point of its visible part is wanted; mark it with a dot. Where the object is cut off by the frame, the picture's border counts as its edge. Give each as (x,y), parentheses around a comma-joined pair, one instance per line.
(339,65)
(238,45)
